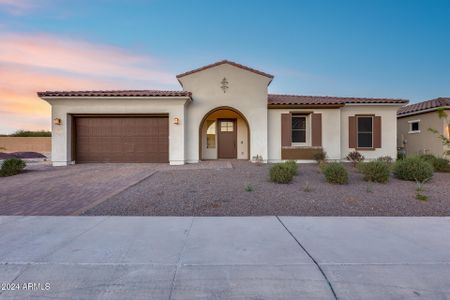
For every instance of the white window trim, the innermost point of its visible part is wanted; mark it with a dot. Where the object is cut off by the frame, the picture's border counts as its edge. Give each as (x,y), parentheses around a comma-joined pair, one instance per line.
(357,133)
(307,142)
(410,126)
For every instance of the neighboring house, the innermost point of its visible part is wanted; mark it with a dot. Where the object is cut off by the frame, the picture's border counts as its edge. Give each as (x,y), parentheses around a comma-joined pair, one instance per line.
(413,122)
(223,112)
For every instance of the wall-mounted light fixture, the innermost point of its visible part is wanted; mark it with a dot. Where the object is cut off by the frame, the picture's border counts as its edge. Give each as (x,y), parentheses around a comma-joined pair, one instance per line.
(176,121)
(57,121)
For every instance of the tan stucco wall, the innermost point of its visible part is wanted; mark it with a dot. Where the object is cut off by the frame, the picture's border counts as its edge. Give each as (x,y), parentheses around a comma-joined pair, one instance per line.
(247,93)
(21,144)
(242,135)
(425,141)
(388,115)
(331,131)
(63,108)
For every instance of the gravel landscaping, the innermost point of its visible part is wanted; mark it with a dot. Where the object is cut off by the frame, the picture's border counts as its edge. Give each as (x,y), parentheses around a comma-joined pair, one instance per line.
(245,190)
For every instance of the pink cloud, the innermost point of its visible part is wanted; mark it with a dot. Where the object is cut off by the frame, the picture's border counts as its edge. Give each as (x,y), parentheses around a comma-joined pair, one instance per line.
(18,7)
(31,63)
(80,57)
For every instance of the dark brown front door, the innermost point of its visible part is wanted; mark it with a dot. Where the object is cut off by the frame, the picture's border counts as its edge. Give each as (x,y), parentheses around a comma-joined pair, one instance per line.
(122,139)
(227,138)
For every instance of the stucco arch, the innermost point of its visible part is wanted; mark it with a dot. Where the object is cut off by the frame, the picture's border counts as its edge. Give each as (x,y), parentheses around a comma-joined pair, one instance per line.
(224,108)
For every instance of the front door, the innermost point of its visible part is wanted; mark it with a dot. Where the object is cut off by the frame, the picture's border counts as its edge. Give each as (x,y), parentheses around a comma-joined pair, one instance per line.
(227,138)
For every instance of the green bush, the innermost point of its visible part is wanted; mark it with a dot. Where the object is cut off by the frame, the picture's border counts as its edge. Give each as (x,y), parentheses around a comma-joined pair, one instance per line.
(375,171)
(281,173)
(29,133)
(413,169)
(429,158)
(439,164)
(12,167)
(292,166)
(335,173)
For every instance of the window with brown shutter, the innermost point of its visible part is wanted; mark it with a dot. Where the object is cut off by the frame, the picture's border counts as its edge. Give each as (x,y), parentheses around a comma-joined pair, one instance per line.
(364,128)
(286,130)
(298,128)
(364,132)
(316,130)
(352,132)
(377,132)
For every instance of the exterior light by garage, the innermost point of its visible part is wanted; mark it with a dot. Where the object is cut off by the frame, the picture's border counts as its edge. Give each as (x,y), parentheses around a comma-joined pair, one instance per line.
(57,121)
(176,121)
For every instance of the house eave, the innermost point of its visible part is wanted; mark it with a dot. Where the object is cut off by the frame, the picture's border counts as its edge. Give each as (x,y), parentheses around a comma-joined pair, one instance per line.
(303,106)
(399,104)
(419,112)
(187,98)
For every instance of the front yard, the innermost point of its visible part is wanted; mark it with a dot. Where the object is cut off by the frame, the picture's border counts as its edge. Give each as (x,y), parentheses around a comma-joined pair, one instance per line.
(245,190)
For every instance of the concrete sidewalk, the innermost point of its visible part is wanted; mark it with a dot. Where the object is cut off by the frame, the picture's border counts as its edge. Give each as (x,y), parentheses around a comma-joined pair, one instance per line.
(225,257)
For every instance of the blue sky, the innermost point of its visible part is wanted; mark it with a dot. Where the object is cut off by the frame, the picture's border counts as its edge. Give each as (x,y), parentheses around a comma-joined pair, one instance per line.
(361,48)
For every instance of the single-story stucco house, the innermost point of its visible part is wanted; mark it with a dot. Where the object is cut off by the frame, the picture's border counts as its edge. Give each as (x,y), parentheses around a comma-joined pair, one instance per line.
(413,122)
(223,112)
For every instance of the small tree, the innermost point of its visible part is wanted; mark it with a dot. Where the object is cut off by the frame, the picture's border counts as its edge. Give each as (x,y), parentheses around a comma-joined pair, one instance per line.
(445,140)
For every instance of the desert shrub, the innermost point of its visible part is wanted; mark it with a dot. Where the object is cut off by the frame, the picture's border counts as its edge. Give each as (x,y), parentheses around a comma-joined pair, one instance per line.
(355,157)
(28,133)
(413,169)
(322,165)
(439,164)
(335,173)
(386,159)
(320,156)
(375,171)
(249,188)
(281,173)
(429,158)
(12,167)
(292,166)
(421,197)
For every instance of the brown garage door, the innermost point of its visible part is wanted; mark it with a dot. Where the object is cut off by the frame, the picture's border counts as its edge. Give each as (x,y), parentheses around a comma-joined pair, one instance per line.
(122,139)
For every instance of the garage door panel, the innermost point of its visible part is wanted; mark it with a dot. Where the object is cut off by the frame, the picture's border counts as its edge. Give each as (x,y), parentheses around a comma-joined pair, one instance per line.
(122,139)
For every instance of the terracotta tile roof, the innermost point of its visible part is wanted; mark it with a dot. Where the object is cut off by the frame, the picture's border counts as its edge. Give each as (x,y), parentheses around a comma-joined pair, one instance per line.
(221,63)
(116,93)
(425,105)
(326,100)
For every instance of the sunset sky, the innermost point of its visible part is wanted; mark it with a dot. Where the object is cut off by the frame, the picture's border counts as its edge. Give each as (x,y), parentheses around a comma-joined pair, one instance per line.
(380,48)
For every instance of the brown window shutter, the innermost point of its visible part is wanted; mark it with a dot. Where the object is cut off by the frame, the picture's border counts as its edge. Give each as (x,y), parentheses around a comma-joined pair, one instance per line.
(377,132)
(286,130)
(316,130)
(352,132)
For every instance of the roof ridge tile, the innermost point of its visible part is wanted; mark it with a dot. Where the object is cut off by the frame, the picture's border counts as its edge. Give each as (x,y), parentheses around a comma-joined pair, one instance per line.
(221,62)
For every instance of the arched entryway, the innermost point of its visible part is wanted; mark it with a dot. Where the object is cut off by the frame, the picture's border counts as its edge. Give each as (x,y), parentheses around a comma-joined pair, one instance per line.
(224,134)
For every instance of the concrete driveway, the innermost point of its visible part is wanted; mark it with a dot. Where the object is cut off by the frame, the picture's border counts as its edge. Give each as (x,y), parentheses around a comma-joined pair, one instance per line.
(226,257)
